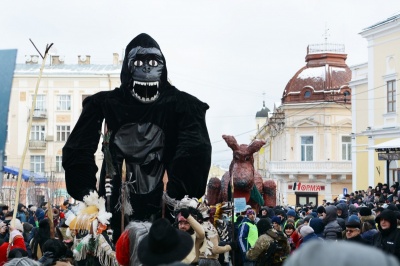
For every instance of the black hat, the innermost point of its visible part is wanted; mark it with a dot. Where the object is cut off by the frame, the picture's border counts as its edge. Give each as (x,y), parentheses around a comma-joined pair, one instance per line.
(392,207)
(164,244)
(365,211)
(321,209)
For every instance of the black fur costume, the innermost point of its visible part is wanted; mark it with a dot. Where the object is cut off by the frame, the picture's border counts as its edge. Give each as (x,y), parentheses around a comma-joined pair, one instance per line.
(168,133)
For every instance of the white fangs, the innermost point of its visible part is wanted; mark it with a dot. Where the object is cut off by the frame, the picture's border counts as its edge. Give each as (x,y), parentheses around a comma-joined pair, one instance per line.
(155,83)
(144,99)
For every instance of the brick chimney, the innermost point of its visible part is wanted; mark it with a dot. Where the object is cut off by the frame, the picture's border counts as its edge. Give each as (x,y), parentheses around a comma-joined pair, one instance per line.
(83,59)
(57,60)
(115,59)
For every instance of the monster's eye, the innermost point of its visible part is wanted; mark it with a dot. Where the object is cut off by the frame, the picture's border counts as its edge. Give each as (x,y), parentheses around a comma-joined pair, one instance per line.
(138,63)
(247,158)
(153,63)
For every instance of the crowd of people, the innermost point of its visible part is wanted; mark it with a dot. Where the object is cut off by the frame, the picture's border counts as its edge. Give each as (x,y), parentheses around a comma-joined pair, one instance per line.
(274,235)
(200,234)
(367,218)
(32,239)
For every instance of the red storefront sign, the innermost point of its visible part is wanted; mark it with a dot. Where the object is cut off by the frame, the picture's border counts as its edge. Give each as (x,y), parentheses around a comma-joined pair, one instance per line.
(309,187)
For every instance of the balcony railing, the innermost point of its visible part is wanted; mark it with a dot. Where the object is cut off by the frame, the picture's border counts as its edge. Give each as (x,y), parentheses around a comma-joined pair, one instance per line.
(37,144)
(39,113)
(332,167)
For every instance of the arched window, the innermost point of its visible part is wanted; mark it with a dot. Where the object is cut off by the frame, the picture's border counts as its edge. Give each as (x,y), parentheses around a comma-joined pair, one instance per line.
(307,94)
(346,93)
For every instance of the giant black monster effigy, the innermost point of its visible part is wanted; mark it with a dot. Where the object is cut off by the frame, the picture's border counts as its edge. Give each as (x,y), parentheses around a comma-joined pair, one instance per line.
(152,128)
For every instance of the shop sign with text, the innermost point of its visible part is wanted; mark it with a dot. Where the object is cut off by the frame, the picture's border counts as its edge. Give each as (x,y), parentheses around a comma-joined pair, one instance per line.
(306,187)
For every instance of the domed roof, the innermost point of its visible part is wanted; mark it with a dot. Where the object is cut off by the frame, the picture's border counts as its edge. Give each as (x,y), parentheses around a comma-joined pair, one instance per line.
(263,112)
(324,78)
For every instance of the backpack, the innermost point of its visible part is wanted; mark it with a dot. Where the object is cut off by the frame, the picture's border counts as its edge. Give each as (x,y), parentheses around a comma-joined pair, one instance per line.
(277,250)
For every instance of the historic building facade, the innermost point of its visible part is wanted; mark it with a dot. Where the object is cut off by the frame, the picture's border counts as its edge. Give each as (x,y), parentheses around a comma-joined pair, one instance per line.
(308,133)
(58,105)
(376,119)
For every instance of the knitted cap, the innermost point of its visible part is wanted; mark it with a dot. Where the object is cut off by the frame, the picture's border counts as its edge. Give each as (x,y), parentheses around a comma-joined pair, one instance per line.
(276,219)
(291,213)
(250,211)
(305,230)
(353,221)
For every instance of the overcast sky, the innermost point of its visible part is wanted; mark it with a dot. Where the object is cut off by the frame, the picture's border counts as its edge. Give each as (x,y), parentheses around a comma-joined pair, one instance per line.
(227,53)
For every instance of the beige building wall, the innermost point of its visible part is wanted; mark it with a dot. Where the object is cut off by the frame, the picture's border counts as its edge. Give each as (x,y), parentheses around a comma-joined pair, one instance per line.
(70,81)
(328,173)
(373,122)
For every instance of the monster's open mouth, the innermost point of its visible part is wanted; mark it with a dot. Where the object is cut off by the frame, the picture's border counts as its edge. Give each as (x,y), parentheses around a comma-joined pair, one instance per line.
(146,91)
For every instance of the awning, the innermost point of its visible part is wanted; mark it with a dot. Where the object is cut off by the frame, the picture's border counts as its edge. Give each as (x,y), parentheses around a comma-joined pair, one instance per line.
(26,174)
(391,145)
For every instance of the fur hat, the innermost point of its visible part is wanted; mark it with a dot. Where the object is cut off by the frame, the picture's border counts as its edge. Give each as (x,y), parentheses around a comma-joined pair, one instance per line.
(305,230)
(164,244)
(365,211)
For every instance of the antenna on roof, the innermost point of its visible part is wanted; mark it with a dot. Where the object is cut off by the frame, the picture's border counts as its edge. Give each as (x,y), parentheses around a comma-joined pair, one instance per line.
(326,35)
(263,99)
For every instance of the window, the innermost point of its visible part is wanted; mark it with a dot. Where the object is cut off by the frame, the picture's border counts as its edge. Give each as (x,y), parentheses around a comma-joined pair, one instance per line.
(37,163)
(63,133)
(307,143)
(346,148)
(38,132)
(303,198)
(40,102)
(391,96)
(307,94)
(63,102)
(59,168)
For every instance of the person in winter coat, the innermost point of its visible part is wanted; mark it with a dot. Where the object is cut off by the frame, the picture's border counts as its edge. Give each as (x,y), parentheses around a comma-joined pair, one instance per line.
(248,234)
(293,236)
(39,236)
(318,225)
(388,238)
(307,234)
(21,212)
(353,231)
(342,214)
(266,236)
(17,242)
(333,230)
(368,225)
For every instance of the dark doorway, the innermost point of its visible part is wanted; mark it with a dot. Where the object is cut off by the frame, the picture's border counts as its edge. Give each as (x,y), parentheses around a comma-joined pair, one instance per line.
(303,198)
